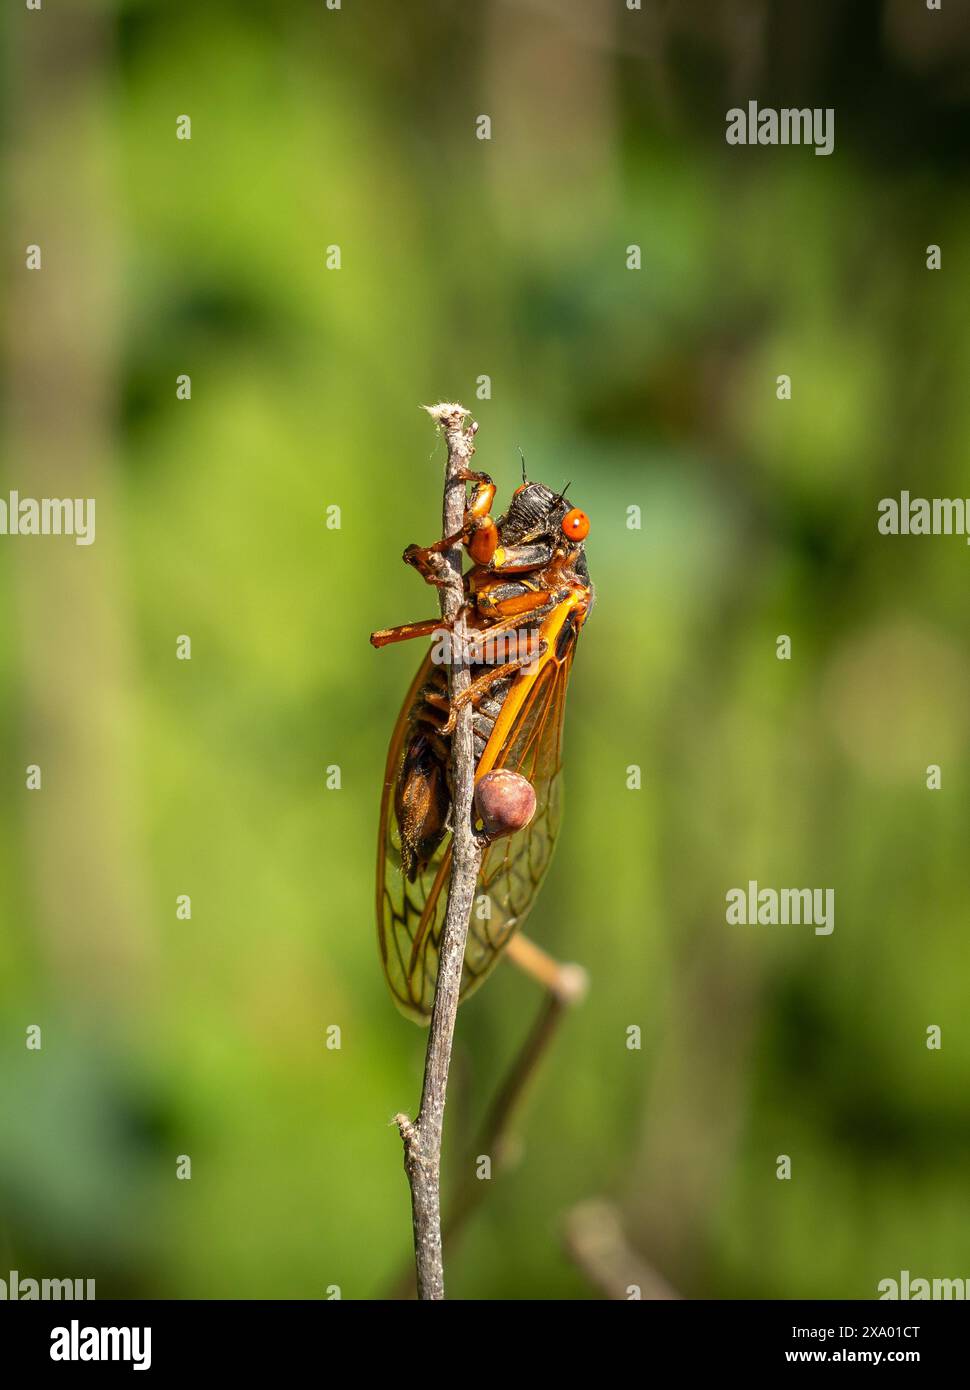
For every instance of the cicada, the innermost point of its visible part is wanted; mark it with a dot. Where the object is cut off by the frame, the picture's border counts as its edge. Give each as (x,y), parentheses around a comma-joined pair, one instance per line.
(527,596)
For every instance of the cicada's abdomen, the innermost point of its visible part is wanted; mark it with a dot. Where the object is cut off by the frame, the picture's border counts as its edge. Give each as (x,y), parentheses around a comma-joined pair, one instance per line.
(421,802)
(489,709)
(422,797)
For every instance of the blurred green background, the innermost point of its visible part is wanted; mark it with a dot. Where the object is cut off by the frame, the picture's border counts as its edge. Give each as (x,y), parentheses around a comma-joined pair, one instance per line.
(655,388)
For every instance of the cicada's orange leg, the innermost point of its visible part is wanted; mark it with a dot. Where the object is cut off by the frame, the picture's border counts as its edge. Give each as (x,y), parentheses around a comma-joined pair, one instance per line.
(478,533)
(405,631)
(426,627)
(484,682)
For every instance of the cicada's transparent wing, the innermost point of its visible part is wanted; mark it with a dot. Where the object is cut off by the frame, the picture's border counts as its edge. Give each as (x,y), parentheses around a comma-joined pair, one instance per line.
(402,905)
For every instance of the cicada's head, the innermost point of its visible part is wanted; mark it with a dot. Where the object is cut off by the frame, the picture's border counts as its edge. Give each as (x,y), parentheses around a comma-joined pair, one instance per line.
(536,513)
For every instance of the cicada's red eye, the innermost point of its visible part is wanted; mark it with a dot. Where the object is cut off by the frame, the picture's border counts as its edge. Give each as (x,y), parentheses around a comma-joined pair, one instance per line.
(575,525)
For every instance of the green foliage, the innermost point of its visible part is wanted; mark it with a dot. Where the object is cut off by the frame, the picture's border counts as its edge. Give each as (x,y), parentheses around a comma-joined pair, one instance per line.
(657,388)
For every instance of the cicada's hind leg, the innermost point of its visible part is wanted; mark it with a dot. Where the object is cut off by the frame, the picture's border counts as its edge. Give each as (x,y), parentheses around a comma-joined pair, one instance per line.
(483,683)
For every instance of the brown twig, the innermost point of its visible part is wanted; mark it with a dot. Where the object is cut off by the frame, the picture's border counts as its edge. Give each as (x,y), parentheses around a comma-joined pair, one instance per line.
(565,986)
(422,1137)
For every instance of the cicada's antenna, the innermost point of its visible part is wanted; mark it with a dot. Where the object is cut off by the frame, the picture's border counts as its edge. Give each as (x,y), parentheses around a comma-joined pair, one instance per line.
(522,456)
(561,496)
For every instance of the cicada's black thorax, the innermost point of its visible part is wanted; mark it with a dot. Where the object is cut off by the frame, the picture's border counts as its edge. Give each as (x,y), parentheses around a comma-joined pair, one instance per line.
(534,511)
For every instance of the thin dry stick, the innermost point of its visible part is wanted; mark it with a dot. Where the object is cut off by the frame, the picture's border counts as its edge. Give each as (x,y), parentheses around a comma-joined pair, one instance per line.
(422,1138)
(565,986)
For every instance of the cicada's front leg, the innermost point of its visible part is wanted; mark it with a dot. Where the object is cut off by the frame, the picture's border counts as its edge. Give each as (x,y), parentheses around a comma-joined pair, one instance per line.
(478,532)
